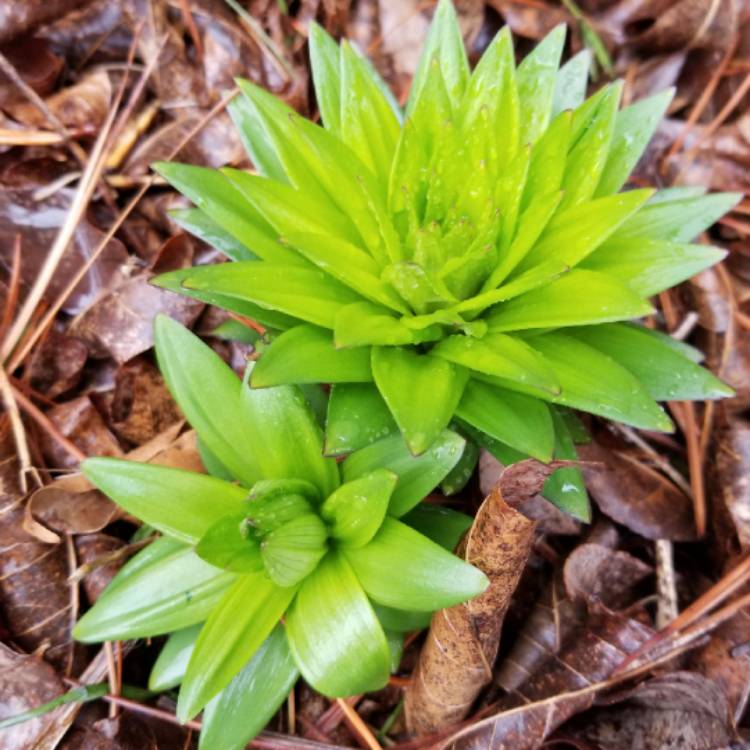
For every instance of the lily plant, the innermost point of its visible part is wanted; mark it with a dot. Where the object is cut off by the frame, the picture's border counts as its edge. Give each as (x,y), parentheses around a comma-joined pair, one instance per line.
(470,261)
(280,562)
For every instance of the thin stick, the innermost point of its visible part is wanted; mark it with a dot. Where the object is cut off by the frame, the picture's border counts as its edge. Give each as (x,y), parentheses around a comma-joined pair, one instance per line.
(361,730)
(19,432)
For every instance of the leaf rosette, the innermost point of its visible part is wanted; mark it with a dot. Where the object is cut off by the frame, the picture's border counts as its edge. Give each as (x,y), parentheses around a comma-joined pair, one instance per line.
(471,261)
(281,561)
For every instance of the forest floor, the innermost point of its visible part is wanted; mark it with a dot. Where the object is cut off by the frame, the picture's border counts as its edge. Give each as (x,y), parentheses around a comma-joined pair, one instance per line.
(631,632)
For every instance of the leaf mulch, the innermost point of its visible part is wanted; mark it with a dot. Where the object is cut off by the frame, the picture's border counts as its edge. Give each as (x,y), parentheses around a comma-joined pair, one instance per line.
(632,632)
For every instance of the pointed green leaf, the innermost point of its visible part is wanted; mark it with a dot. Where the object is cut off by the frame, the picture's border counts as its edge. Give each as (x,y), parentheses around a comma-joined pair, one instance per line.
(548,160)
(356,510)
(417,475)
(171,593)
(444,42)
(334,636)
(173,282)
(238,625)
(572,80)
(634,127)
(651,266)
(594,382)
(306,354)
(285,440)
(522,422)
(421,391)
(183,504)
(221,201)
(501,355)
(228,545)
(460,475)
(666,374)
(363,324)
(401,568)
(248,703)
(292,551)
(202,226)
(678,220)
(588,155)
(573,234)
(536,77)
(325,63)
(442,525)
(169,667)
(577,298)
(565,488)
(400,620)
(208,392)
(357,416)
(306,293)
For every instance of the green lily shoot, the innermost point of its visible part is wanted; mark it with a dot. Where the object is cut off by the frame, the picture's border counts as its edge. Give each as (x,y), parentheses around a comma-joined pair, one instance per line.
(280,562)
(469,261)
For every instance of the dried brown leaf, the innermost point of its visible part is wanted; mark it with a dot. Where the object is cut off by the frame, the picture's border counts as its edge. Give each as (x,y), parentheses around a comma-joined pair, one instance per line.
(632,493)
(55,367)
(17,18)
(456,660)
(100,552)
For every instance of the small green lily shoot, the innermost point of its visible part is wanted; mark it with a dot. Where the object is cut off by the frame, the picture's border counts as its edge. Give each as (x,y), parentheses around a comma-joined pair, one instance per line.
(282,562)
(468,262)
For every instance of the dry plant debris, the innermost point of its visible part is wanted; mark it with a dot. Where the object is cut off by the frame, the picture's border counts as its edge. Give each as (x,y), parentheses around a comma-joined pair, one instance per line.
(563,651)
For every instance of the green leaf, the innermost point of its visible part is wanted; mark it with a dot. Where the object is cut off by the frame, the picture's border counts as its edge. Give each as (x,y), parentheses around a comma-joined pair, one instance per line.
(335,638)
(573,234)
(306,354)
(348,264)
(548,161)
(356,510)
(594,382)
(221,201)
(305,293)
(401,621)
(417,475)
(678,220)
(357,416)
(182,504)
(208,392)
(666,374)
(363,323)
(442,525)
(248,703)
(565,488)
(421,391)
(577,298)
(589,154)
(325,63)
(369,125)
(169,667)
(572,80)
(173,282)
(238,625)
(201,225)
(228,545)
(401,568)
(536,77)
(269,512)
(463,471)
(634,127)
(522,422)
(292,551)
(501,355)
(651,266)
(285,440)
(170,593)
(444,43)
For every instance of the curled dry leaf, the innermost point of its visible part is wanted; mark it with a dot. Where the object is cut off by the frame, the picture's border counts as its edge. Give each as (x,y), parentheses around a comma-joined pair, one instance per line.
(593,574)
(632,493)
(17,18)
(681,709)
(25,683)
(562,688)
(34,592)
(80,422)
(456,660)
(82,107)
